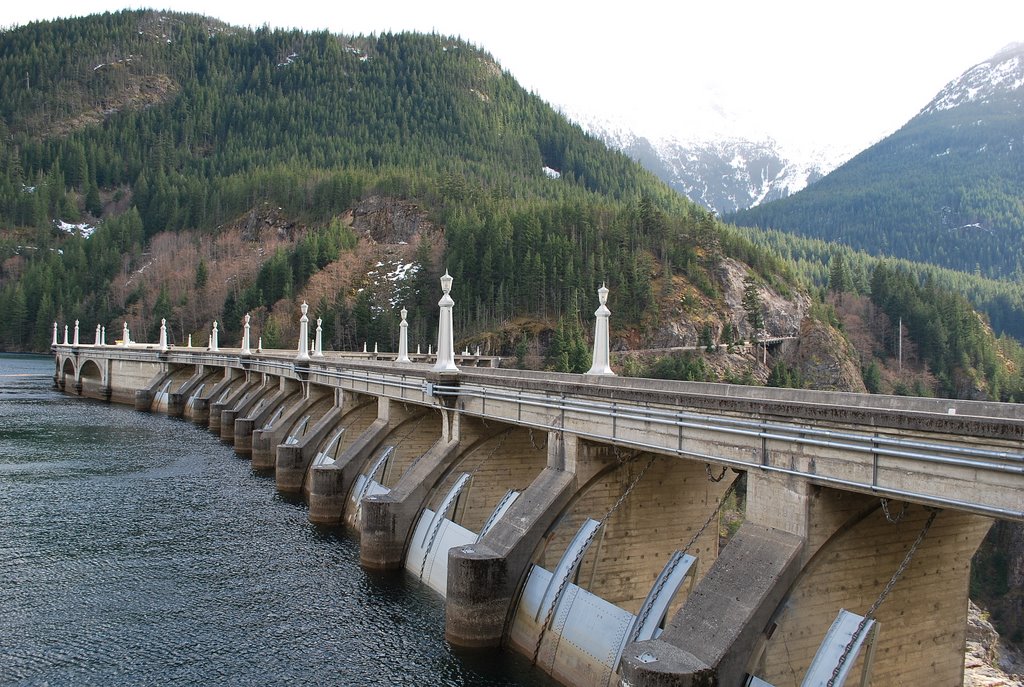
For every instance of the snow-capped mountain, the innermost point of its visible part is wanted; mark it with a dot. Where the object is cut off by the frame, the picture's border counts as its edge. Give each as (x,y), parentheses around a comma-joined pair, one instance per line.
(991,80)
(945,188)
(724,174)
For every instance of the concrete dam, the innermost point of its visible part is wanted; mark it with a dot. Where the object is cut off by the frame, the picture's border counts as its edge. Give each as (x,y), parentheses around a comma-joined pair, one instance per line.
(575,518)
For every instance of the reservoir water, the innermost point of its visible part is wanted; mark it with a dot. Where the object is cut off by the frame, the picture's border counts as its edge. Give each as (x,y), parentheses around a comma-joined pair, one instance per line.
(138,549)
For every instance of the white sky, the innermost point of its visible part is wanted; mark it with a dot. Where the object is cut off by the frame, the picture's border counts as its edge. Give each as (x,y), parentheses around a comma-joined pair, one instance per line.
(812,74)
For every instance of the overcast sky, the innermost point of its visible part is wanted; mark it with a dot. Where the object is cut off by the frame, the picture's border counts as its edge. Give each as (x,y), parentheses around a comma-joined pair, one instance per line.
(812,74)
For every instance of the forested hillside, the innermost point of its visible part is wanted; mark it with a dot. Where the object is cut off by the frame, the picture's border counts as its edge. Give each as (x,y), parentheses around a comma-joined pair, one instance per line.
(143,123)
(946,189)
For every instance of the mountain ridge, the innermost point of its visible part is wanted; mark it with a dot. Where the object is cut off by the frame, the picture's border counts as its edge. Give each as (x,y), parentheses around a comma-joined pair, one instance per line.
(945,188)
(725,173)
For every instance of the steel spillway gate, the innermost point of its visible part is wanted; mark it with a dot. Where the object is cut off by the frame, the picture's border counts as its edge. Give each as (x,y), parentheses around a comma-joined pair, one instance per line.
(436,533)
(573,627)
(329,454)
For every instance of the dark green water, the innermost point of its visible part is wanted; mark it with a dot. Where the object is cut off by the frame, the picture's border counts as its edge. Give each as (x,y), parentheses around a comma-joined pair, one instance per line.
(136,549)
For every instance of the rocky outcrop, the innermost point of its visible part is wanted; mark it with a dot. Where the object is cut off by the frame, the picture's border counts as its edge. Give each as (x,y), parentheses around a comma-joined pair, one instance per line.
(783,315)
(823,358)
(988,663)
(388,220)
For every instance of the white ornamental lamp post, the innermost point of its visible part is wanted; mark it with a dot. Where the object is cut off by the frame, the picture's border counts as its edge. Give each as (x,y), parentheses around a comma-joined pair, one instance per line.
(126,336)
(318,347)
(303,334)
(602,354)
(98,335)
(445,335)
(259,345)
(76,334)
(403,339)
(163,335)
(66,342)
(190,341)
(214,335)
(54,342)
(103,335)
(246,350)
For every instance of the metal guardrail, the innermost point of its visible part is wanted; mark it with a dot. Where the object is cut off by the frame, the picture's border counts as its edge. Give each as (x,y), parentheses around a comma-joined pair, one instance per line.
(876,446)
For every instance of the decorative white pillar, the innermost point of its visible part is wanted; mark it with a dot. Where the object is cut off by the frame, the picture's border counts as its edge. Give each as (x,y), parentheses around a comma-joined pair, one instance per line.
(318,347)
(163,335)
(76,335)
(303,334)
(126,337)
(364,347)
(602,353)
(445,335)
(403,339)
(375,351)
(259,345)
(190,341)
(214,335)
(418,350)
(97,340)
(54,342)
(66,342)
(245,337)
(103,335)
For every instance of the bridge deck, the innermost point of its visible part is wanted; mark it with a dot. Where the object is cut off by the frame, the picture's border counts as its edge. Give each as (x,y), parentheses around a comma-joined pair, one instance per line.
(966,455)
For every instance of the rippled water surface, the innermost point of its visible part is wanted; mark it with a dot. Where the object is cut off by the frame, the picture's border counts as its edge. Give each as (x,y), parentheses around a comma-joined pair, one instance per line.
(136,549)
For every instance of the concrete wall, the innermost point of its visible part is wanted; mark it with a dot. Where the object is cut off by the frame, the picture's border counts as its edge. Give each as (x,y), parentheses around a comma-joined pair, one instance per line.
(853,551)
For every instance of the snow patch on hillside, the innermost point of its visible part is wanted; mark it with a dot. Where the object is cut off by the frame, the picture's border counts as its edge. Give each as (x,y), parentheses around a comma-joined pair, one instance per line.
(83,229)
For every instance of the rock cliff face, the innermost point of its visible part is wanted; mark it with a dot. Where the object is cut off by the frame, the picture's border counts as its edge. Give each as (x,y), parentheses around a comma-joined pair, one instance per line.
(782,315)
(824,359)
(988,661)
(389,221)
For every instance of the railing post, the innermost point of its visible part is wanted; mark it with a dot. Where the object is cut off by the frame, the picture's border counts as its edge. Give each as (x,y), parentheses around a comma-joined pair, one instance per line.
(602,354)
(403,339)
(245,336)
(445,335)
(318,347)
(303,354)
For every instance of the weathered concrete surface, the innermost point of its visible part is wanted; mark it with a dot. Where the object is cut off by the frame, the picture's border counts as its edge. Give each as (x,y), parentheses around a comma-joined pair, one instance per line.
(483,578)
(856,550)
(313,401)
(260,413)
(387,519)
(711,638)
(329,485)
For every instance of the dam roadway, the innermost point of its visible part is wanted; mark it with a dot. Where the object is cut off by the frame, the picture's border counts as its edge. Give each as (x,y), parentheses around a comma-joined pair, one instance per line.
(574,518)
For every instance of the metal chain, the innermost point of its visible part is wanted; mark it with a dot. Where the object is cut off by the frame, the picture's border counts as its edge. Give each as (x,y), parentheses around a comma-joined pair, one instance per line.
(881,597)
(534,443)
(579,557)
(891,518)
(693,540)
(707,470)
